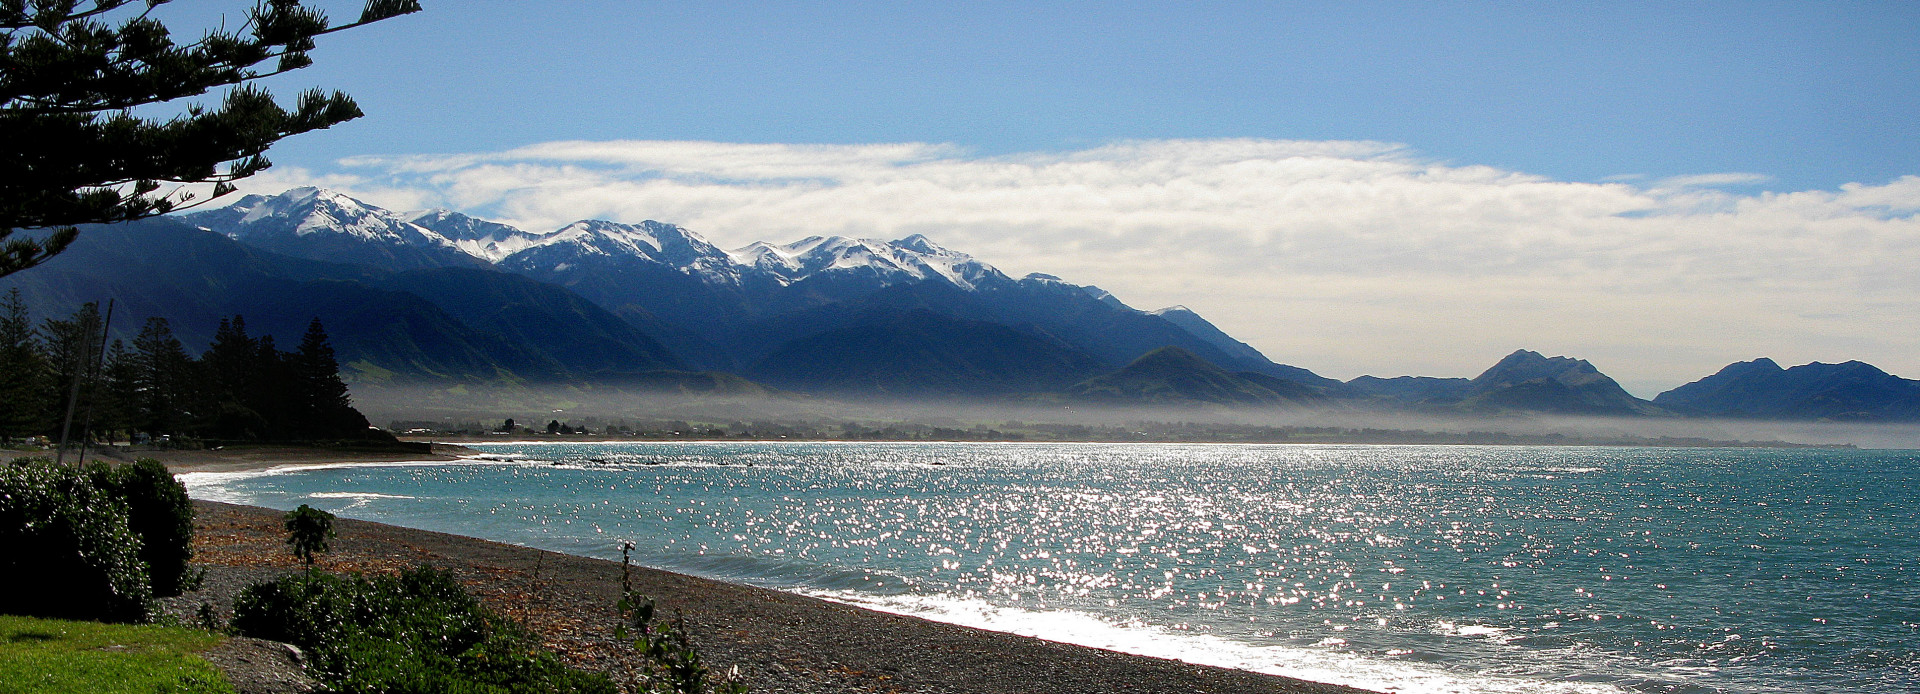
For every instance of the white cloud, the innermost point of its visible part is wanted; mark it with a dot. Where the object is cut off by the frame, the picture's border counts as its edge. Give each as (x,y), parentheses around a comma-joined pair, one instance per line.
(1716,179)
(1345,257)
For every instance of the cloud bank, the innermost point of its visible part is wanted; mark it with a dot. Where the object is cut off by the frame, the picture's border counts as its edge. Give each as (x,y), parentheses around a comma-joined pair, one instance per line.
(1344,257)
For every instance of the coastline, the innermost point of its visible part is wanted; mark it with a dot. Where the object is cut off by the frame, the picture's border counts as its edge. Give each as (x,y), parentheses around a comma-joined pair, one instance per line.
(255,458)
(779,642)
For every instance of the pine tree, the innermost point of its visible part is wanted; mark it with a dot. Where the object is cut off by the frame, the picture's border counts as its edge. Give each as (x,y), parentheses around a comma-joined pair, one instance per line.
(74,90)
(119,392)
(239,369)
(24,380)
(325,408)
(230,358)
(68,346)
(164,376)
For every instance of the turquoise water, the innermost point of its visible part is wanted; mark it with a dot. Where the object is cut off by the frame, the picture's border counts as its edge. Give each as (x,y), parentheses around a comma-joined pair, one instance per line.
(1403,568)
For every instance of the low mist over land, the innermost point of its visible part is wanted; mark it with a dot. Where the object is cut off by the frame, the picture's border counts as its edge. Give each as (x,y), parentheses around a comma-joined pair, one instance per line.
(657,415)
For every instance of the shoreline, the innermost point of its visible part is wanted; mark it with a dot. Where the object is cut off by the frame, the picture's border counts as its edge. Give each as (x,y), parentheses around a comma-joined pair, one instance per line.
(449,449)
(253,459)
(1389,438)
(778,641)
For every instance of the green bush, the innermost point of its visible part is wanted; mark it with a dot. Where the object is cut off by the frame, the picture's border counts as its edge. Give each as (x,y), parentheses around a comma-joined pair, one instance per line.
(161,514)
(418,631)
(66,547)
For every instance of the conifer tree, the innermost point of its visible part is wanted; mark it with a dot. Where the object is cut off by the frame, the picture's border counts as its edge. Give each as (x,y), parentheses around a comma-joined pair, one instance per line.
(239,369)
(325,409)
(68,346)
(164,378)
(119,392)
(74,91)
(24,388)
(231,359)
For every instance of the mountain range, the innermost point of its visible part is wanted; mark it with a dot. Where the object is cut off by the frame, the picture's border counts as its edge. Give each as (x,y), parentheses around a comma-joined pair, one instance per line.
(440,297)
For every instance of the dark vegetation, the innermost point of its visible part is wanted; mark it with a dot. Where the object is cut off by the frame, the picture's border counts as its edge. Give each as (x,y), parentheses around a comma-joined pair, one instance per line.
(415,631)
(92,542)
(242,388)
(70,84)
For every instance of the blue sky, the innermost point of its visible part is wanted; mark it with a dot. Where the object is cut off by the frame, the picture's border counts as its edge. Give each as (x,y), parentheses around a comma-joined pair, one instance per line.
(1383,188)
(1811,94)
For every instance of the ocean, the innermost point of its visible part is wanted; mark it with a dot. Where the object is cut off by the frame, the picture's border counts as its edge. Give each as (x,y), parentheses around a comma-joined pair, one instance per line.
(1431,569)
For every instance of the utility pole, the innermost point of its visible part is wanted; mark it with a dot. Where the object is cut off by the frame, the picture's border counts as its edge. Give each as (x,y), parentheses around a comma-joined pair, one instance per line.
(93,385)
(80,354)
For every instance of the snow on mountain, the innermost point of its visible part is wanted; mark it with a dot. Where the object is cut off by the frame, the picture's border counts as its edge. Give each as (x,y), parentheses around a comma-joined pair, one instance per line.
(305,212)
(308,211)
(666,244)
(1105,297)
(489,241)
(914,258)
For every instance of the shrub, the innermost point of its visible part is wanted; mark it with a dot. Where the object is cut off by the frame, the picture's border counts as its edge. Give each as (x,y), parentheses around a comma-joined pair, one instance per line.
(669,663)
(66,548)
(161,514)
(418,631)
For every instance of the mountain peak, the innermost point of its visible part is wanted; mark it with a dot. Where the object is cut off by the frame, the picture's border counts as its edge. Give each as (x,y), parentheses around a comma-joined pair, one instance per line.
(1528,380)
(321,224)
(911,259)
(921,244)
(1526,365)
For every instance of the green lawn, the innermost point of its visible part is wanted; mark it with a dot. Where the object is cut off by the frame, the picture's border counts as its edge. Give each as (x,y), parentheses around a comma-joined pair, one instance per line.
(50,655)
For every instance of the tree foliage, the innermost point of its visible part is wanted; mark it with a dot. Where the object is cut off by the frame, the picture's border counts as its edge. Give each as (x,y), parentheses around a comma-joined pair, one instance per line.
(308,531)
(242,388)
(77,152)
(70,550)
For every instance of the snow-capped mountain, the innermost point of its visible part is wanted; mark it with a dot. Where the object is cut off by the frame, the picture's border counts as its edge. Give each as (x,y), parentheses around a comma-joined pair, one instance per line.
(324,225)
(654,242)
(317,215)
(912,259)
(748,309)
(489,241)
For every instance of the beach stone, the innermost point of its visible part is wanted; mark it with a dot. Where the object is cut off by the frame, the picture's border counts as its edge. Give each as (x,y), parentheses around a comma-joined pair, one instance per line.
(259,666)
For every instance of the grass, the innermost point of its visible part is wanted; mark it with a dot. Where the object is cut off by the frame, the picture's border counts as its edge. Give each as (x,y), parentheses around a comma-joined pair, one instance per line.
(51,655)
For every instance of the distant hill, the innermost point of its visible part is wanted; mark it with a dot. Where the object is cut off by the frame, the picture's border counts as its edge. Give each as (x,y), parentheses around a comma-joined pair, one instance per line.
(1412,390)
(1175,376)
(1760,389)
(1524,381)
